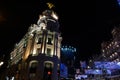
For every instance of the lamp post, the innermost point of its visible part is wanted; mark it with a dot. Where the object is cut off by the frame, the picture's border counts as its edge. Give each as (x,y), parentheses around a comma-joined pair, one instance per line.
(1,63)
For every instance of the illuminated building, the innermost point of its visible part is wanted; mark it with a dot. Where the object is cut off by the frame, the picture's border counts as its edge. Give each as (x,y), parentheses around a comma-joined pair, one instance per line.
(37,55)
(107,64)
(111,49)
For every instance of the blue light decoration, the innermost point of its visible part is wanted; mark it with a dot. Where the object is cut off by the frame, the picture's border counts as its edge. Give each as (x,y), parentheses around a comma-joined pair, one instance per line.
(118,2)
(79,77)
(63,71)
(96,71)
(68,51)
(108,71)
(93,71)
(83,64)
(68,48)
(101,66)
(107,65)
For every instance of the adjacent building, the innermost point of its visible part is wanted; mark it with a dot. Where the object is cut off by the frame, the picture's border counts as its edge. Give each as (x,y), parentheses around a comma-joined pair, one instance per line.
(107,64)
(68,59)
(111,49)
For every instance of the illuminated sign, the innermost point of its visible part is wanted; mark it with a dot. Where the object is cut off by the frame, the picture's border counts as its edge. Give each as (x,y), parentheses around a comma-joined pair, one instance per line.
(79,77)
(97,71)
(107,65)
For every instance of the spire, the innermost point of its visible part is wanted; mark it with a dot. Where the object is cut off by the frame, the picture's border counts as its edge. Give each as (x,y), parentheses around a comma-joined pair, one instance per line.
(50,5)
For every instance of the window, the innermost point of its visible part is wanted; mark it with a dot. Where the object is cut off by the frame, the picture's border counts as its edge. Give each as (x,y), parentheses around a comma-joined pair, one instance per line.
(49,41)
(32,76)
(24,45)
(38,50)
(39,40)
(48,52)
(33,66)
(48,66)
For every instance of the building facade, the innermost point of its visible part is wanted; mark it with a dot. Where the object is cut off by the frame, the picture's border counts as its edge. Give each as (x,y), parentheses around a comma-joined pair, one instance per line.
(68,59)
(111,49)
(37,55)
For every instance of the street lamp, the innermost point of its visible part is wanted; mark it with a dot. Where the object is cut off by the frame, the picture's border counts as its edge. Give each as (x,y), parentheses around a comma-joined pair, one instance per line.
(1,63)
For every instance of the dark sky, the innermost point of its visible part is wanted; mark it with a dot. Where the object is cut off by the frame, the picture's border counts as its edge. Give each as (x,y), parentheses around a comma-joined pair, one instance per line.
(83,24)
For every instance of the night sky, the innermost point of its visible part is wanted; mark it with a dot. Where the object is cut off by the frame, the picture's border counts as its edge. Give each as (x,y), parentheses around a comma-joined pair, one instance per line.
(83,24)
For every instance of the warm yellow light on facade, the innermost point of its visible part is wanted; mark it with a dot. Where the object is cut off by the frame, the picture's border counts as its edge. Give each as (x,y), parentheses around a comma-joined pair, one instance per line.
(54,16)
(34,52)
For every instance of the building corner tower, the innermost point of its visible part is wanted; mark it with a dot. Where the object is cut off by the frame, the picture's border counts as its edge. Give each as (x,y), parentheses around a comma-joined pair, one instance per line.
(37,55)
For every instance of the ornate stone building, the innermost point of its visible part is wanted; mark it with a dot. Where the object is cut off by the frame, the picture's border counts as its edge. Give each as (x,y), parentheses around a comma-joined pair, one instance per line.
(37,55)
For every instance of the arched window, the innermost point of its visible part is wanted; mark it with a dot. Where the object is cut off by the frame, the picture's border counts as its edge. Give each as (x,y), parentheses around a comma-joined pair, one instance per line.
(48,68)
(33,66)
(32,69)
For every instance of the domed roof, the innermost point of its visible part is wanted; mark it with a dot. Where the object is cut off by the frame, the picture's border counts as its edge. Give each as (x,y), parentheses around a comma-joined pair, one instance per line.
(50,19)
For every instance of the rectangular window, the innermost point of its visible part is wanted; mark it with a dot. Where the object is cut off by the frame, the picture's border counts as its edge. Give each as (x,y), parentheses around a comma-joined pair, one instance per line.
(49,41)
(33,67)
(48,51)
(32,76)
(24,45)
(38,50)
(39,40)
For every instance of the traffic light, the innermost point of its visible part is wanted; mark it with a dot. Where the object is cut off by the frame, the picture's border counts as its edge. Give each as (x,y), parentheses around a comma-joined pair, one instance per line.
(49,73)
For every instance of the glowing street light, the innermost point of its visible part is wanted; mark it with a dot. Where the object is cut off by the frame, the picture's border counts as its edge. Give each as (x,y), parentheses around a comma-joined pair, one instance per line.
(1,63)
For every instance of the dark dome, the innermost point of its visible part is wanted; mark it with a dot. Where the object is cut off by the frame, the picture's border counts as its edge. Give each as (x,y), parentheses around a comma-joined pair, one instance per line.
(52,25)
